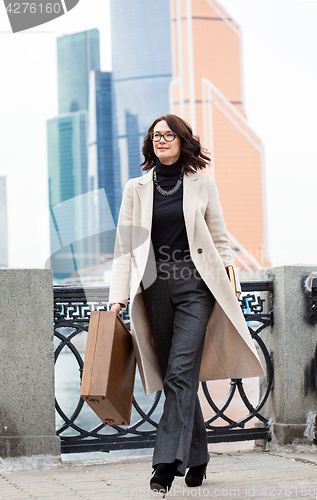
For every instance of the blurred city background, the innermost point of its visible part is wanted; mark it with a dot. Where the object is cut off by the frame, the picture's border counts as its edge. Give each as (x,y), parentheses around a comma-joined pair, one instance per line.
(77,97)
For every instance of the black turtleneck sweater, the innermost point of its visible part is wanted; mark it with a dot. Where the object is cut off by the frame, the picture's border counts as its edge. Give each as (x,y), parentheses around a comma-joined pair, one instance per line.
(169,235)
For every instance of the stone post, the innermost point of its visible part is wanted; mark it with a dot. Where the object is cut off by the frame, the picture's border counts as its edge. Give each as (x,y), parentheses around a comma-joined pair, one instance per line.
(27,412)
(292,343)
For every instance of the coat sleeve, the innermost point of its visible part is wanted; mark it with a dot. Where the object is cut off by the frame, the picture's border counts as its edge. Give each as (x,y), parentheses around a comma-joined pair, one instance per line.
(217,227)
(121,266)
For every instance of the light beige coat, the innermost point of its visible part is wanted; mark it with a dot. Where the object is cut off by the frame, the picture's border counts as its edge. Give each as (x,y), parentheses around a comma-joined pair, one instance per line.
(229,351)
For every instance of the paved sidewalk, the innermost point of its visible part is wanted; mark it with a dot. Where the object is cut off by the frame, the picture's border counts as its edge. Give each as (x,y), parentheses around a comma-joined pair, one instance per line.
(244,475)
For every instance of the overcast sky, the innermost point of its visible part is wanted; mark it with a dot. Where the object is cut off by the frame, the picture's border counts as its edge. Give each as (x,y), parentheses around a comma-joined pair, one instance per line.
(280,81)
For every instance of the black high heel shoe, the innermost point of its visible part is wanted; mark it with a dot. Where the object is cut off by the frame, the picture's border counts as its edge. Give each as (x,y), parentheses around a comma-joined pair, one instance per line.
(195,475)
(163,477)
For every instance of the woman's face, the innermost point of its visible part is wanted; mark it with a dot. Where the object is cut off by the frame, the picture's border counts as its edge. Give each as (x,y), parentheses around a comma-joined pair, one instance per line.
(167,152)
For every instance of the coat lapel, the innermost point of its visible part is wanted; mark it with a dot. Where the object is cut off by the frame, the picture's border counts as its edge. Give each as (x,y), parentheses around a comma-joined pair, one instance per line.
(145,193)
(190,199)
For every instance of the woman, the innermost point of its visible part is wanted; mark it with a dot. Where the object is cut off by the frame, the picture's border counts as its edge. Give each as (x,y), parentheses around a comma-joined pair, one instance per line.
(186,322)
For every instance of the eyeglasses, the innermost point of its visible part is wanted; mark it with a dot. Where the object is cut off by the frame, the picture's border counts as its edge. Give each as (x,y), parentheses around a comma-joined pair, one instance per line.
(168,136)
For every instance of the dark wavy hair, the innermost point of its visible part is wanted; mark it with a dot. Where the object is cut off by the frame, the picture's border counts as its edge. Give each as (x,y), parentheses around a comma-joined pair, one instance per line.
(193,156)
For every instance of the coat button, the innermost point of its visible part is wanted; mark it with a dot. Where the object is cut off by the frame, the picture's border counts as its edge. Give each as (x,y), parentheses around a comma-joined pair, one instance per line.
(200,250)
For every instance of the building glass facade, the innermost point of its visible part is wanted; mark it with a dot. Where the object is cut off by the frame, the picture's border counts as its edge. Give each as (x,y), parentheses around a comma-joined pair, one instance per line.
(100,150)
(77,55)
(142,72)
(68,178)
(3,223)
(67,156)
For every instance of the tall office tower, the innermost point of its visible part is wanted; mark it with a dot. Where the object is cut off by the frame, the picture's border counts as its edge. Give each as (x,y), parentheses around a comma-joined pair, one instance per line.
(68,169)
(3,224)
(101,173)
(207,91)
(142,72)
(77,56)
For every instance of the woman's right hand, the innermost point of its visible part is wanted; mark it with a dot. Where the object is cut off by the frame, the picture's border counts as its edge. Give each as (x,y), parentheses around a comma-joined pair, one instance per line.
(116,307)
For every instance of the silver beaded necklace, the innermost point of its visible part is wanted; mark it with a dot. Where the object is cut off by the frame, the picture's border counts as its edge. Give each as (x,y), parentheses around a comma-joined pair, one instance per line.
(175,188)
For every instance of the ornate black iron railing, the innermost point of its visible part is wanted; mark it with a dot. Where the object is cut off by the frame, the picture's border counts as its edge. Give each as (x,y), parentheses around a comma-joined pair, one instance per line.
(80,429)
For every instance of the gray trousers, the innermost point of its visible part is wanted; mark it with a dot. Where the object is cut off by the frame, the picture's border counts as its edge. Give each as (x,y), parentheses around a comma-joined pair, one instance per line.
(179,305)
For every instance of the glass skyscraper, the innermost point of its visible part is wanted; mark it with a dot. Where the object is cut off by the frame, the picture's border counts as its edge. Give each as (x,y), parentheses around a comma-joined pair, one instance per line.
(3,224)
(77,56)
(68,176)
(67,156)
(142,72)
(100,150)
(101,173)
